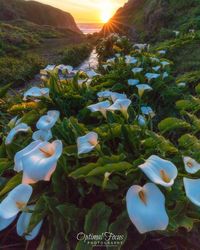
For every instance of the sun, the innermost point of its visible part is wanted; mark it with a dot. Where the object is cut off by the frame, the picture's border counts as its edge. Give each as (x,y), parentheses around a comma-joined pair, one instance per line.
(105,16)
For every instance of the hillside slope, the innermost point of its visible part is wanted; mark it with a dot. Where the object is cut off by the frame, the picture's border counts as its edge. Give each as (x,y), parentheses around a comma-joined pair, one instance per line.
(37,13)
(152,19)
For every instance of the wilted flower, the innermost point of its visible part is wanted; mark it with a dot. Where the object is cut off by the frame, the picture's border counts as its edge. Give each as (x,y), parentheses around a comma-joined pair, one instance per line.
(87,142)
(147,111)
(191,165)
(36,92)
(102,107)
(15,201)
(38,160)
(146,208)
(160,171)
(21,127)
(133,82)
(142,88)
(192,187)
(46,122)
(23,223)
(137,70)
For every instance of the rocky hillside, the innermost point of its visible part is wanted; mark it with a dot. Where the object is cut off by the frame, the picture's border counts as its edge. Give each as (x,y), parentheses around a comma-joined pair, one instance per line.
(37,13)
(155,19)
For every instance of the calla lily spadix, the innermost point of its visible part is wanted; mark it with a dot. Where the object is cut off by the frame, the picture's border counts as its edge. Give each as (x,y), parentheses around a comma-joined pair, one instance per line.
(191,165)
(192,187)
(121,105)
(21,127)
(23,223)
(38,161)
(133,82)
(160,171)
(46,122)
(87,143)
(142,88)
(146,110)
(36,92)
(102,107)
(146,208)
(137,70)
(42,135)
(15,201)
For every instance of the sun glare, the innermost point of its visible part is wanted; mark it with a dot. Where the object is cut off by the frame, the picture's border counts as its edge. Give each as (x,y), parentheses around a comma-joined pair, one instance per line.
(105,16)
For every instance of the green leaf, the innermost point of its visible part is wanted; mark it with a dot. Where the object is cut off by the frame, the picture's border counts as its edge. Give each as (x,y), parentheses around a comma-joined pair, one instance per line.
(171,123)
(12,183)
(4,164)
(83,171)
(4,90)
(111,168)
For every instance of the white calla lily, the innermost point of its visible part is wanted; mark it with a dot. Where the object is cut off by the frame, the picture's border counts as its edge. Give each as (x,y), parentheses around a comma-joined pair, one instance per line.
(154,59)
(4,223)
(23,223)
(133,82)
(46,122)
(146,208)
(130,60)
(22,127)
(146,110)
(141,120)
(38,160)
(49,68)
(160,171)
(165,75)
(142,88)
(151,76)
(115,96)
(181,84)
(164,63)
(192,187)
(137,70)
(162,52)
(87,143)
(111,60)
(63,67)
(42,135)
(104,94)
(156,68)
(91,73)
(191,165)
(102,107)
(36,92)
(121,105)
(15,201)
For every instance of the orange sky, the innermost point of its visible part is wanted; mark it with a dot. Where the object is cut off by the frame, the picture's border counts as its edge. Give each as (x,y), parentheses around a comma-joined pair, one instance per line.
(88,10)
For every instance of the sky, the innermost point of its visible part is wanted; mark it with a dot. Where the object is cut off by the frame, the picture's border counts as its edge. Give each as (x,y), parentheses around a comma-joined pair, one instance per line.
(88,11)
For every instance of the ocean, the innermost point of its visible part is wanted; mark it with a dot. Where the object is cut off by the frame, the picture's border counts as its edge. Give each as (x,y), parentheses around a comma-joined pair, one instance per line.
(90,28)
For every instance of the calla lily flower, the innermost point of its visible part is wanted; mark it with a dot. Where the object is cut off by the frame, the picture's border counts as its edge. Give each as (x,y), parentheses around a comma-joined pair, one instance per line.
(156,68)
(154,59)
(4,223)
(140,46)
(63,67)
(181,84)
(133,82)
(137,70)
(23,223)
(115,96)
(130,60)
(192,187)
(38,160)
(146,208)
(15,201)
(141,120)
(42,135)
(191,165)
(162,52)
(121,105)
(142,88)
(160,171)
(151,76)
(165,75)
(46,122)
(102,107)
(87,143)
(91,73)
(36,92)
(105,66)
(176,32)
(22,127)
(49,68)
(147,111)
(104,94)
(111,60)
(164,63)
